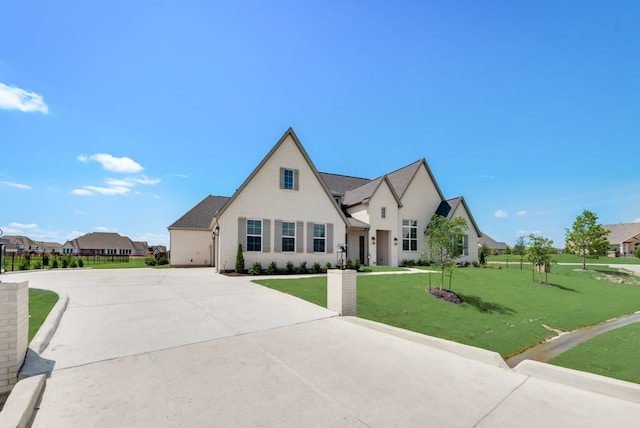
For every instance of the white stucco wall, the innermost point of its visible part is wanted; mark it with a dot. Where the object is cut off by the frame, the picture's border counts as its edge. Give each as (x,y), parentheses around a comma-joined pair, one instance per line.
(384,252)
(471,232)
(190,247)
(419,202)
(262,198)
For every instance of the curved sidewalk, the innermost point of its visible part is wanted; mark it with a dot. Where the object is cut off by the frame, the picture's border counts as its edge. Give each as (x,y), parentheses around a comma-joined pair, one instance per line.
(187,347)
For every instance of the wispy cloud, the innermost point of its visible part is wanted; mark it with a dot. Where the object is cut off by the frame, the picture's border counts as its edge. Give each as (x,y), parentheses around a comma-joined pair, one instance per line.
(109,191)
(501,214)
(14,98)
(522,213)
(112,163)
(148,181)
(16,185)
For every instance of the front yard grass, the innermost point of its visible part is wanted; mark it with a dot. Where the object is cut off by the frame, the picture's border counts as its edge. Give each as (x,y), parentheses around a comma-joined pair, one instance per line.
(612,354)
(40,304)
(503,309)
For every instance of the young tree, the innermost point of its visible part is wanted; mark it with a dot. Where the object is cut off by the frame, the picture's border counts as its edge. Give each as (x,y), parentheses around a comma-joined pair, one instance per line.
(239,260)
(587,238)
(443,241)
(539,253)
(483,252)
(520,248)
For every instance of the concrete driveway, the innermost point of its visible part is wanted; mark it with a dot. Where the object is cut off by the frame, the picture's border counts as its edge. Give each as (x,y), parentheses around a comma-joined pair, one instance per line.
(188,347)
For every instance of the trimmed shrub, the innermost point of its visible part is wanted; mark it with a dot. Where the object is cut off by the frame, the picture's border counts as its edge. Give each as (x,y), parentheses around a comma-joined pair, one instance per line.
(302,268)
(316,268)
(328,265)
(291,268)
(239,260)
(150,261)
(272,268)
(80,262)
(256,269)
(54,264)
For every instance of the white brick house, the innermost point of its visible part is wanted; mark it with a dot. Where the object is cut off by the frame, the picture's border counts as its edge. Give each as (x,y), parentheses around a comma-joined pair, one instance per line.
(287,211)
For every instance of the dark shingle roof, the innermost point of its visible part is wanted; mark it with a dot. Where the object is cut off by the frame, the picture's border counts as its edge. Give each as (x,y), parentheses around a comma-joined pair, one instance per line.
(341,184)
(201,216)
(401,178)
(360,194)
(102,240)
(492,243)
(448,207)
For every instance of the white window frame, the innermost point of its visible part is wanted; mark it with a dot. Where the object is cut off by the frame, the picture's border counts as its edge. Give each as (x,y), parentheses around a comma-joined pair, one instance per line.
(253,222)
(409,225)
(318,239)
(291,228)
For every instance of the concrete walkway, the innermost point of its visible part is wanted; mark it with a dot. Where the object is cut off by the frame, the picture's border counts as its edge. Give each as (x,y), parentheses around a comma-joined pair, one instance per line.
(188,347)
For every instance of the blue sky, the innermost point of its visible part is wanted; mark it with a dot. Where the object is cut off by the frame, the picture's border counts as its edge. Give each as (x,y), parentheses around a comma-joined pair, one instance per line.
(122,115)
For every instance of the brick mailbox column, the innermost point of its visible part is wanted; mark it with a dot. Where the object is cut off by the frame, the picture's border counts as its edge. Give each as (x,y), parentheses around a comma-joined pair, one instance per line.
(341,291)
(14,331)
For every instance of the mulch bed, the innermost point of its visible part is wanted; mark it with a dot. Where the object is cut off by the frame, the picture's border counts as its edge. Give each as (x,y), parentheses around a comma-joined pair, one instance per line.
(446,295)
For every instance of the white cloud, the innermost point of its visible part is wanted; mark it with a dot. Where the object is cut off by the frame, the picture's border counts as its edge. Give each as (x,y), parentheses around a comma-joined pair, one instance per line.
(148,181)
(522,213)
(501,214)
(114,182)
(112,163)
(16,185)
(116,190)
(81,192)
(23,226)
(637,220)
(13,98)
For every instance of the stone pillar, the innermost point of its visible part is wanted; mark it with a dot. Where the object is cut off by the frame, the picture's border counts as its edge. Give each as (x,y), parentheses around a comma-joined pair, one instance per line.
(341,291)
(14,331)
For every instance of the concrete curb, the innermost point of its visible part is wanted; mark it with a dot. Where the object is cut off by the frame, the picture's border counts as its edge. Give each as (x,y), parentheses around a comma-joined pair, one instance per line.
(615,388)
(41,340)
(471,352)
(19,408)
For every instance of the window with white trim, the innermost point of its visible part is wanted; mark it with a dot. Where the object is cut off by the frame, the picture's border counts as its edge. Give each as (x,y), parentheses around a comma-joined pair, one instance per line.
(383,212)
(409,235)
(289,179)
(254,235)
(319,238)
(463,243)
(288,236)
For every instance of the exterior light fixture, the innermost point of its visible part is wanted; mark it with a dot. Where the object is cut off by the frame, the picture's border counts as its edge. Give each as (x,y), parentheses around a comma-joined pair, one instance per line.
(373,240)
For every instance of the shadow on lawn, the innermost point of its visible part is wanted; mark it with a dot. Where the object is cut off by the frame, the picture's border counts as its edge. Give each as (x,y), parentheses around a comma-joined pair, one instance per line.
(487,307)
(562,287)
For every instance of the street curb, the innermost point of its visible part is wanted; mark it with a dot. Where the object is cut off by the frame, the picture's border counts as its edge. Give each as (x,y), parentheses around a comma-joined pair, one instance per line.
(620,389)
(41,340)
(19,408)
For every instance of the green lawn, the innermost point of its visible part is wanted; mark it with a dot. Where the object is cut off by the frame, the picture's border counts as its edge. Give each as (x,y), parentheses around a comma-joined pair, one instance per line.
(613,354)
(569,258)
(40,304)
(504,310)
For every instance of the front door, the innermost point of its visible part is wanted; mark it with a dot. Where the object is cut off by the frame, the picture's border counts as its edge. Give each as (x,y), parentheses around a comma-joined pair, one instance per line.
(361,250)
(382,242)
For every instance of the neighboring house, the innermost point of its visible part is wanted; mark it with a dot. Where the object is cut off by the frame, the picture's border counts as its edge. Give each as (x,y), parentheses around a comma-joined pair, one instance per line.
(624,237)
(287,211)
(493,245)
(105,244)
(19,244)
(158,251)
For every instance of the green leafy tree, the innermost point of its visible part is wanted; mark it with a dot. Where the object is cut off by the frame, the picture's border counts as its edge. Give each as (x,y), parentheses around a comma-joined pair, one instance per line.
(443,241)
(587,238)
(539,253)
(520,249)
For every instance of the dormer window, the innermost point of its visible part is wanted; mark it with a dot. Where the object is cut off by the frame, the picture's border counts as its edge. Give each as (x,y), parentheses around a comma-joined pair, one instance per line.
(289,179)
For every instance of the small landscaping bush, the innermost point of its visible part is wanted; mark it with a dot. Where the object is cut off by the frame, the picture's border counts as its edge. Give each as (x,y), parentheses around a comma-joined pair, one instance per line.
(80,262)
(302,268)
(54,264)
(272,268)
(316,268)
(291,268)
(256,269)
(150,261)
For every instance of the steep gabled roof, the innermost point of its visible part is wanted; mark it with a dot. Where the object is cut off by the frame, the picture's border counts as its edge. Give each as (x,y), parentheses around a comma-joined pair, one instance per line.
(363,193)
(448,208)
(201,216)
(341,184)
(296,141)
(622,232)
(401,178)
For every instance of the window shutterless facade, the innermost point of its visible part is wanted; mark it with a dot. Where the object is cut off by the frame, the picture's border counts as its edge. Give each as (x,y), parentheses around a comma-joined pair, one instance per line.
(409,235)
